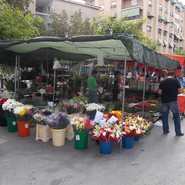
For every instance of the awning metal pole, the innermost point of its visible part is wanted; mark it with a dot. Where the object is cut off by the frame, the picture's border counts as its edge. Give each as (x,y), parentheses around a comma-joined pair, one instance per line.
(123,104)
(144,88)
(47,67)
(54,87)
(19,72)
(15,76)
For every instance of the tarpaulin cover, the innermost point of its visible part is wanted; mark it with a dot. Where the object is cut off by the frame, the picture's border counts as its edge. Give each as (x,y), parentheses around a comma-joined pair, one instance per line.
(86,47)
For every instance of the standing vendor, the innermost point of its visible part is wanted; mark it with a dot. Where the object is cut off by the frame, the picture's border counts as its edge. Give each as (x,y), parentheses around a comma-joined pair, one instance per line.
(116,88)
(93,87)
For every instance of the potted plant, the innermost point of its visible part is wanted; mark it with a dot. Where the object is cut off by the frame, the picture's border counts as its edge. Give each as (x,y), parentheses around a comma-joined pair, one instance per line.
(3,121)
(81,128)
(58,122)
(106,135)
(23,117)
(8,108)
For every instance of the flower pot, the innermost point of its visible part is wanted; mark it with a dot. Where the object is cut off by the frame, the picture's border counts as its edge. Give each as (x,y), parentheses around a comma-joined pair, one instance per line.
(137,138)
(81,140)
(128,142)
(105,147)
(3,122)
(58,136)
(12,125)
(24,128)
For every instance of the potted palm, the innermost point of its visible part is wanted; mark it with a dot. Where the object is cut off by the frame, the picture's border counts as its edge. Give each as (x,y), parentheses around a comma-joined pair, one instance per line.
(58,122)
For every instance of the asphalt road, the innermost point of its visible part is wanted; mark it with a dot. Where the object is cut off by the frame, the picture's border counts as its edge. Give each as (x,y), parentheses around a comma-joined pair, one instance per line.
(156,159)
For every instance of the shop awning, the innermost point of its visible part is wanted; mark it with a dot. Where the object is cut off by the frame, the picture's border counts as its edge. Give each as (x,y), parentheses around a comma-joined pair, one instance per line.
(173,2)
(165,43)
(177,36)
(160,17)
(113,15)
(167,20)
(160,41)
(85,47)
(150,14)
(171,45)
(182,38)
(178,6)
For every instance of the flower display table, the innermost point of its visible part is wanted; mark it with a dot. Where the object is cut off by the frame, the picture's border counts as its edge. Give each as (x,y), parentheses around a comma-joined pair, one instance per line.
(43,132)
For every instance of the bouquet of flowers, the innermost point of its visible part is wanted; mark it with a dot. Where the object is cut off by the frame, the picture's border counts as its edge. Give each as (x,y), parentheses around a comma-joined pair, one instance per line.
(110,132)
(57,120)
(92,108)
(82,124)
(23,113)
(71,108)
(9,107)
(39,115)
(134,126)
(146,106)
(2,101)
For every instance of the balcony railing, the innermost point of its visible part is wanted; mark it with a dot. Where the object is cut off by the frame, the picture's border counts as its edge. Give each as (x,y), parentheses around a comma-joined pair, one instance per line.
(128,5)
(134,17)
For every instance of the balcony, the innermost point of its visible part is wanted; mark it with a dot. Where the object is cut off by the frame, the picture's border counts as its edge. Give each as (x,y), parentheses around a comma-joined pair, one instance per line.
(129,5)
(134,17)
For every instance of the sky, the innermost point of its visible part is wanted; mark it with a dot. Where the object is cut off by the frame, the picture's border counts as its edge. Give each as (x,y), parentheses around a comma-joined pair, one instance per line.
(81,1)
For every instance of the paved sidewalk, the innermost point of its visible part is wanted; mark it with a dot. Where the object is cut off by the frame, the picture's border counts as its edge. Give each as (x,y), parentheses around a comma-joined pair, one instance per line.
(156,159)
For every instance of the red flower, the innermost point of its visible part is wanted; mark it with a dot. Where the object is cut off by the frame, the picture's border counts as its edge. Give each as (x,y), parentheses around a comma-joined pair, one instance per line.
(43,87)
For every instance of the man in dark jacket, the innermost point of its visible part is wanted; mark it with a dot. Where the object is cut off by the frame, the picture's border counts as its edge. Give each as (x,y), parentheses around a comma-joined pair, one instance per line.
(169,89)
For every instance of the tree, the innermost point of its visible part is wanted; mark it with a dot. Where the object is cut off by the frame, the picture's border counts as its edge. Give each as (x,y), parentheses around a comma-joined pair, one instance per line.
(15,25)
(20,4)
(180,52)
(103,24)
(59,24)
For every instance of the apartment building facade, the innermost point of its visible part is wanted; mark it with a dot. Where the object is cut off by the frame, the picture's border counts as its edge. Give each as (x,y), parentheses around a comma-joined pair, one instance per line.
(44,7)
(165,19)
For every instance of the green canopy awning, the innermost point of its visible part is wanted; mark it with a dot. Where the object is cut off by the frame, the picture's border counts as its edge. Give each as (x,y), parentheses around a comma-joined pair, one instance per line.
(171,45)
(113,15)
(167,0)
(150,14)
(177,36)
(160,41)
(172,22)
(165,30)
(181,47)
(178,6)
(171,33)
(182,38)
(173,2)
(160,28)
(182,6)
(149,25)
(165,43)
(85,47)
(167,20)
(160,17)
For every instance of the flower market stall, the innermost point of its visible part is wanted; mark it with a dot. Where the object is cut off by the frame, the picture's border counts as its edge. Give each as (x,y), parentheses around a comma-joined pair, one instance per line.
(114,47)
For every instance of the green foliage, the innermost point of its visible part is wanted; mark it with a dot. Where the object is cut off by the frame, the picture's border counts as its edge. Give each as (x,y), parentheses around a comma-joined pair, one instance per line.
(20,4)
(74,26)
(15,25)
(104,66)
(71,87)
(78,82)
(155,108)
(180,52)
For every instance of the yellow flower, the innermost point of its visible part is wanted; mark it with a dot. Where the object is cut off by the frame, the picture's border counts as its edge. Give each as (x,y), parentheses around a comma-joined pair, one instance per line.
(22,113)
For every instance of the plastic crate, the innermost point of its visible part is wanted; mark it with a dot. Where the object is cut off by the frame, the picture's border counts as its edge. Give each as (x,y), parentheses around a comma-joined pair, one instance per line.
(43,132)
(181,103)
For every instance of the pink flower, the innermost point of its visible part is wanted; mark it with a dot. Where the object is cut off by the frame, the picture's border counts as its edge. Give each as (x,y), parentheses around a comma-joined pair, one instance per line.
(76,106)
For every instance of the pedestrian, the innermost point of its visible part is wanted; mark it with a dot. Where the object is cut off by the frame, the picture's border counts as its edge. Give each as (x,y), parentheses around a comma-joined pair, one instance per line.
(116,88)
(169,88)
(164,74)
(93,87)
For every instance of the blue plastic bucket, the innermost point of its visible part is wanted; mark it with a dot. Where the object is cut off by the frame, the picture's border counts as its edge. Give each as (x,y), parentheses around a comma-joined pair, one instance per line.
(137,138)
(128,142)
(105,147)
(91,118)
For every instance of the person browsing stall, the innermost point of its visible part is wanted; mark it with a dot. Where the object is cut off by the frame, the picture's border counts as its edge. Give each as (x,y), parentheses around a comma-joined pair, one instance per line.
(116,88)
(93,87)
(169,88)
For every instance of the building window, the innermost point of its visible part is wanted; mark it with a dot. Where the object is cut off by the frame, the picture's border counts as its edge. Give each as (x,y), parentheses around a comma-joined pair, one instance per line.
(176,27)
(133,2)
(171,25)
(102,7)
(92,2)
(113,5)
(175,39)
(160,7)
(48,9)
(171,35)
(165,10)
(180,29)
(159,31)
(149,28)
(171,13)
(177,16)
(181,19)
(165,33)
(149,3)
